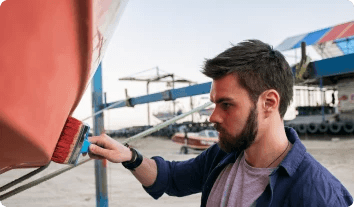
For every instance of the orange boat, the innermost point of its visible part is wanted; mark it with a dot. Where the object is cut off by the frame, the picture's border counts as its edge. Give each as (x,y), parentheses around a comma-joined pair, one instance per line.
(196,141)
(49,52)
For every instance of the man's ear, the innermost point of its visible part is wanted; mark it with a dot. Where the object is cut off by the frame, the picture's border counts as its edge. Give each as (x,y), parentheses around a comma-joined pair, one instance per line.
(270,101)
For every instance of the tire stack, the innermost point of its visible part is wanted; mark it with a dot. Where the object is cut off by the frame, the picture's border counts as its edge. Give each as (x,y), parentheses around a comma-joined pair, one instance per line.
(323,127)
(341,127)
(312,128)
(348,127)
(300,128)
(333,128)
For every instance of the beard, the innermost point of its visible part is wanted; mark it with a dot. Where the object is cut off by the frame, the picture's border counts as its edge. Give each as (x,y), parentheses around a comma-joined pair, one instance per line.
(244,140)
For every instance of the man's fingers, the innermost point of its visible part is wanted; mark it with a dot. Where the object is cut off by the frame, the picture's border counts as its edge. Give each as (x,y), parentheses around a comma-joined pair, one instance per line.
(105,147)
(96,157)
(97,150)
(100,141)
(96,139)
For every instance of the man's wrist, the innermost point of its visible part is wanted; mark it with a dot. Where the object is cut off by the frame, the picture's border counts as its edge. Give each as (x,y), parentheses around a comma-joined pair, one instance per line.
(135,161)
(130,155)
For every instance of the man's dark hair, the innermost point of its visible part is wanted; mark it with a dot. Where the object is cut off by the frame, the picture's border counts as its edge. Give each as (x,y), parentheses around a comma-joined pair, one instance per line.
(258,68)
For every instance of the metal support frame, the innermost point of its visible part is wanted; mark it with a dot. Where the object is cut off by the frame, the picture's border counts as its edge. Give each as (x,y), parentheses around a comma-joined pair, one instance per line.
(157,78)
(322,101)
(98,123)
(148,105)
(341,65)
(193,90)
(173,101)
(191,103)
(98,128)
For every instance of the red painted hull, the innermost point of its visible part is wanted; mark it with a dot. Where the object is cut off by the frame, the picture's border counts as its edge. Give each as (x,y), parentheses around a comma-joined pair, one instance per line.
(49,50)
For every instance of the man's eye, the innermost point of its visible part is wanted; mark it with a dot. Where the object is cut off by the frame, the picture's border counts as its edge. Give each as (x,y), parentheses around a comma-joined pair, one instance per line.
(225,105)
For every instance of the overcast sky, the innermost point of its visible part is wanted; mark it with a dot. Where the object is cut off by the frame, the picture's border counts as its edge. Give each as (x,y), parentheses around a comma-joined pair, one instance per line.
(177,36)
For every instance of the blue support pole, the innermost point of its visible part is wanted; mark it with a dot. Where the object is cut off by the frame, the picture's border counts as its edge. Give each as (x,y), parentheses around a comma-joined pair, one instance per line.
(173,94)
(98,128)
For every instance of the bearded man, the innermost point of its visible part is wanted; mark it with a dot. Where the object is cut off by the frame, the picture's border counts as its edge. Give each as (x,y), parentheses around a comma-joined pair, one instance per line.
(258,161)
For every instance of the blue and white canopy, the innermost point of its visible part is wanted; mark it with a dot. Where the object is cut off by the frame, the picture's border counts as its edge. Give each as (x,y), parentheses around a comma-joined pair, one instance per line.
(329,42)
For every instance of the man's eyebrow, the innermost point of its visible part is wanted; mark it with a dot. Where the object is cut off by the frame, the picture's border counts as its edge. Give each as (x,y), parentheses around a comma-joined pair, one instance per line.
(223,99)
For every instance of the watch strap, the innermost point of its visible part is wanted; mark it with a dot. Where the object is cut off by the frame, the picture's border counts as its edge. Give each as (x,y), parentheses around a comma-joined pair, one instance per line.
(136,160)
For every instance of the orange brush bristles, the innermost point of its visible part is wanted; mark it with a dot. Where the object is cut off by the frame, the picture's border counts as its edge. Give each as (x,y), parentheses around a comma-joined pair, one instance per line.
(67,140)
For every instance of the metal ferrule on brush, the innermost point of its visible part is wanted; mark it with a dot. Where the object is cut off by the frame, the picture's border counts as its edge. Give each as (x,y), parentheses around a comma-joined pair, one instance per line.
(76,152)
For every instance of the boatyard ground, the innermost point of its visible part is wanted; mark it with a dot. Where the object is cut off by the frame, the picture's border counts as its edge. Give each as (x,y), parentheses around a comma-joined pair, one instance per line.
(77,186)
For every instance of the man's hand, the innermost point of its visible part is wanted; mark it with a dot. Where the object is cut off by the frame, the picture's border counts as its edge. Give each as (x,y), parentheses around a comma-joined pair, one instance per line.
(104,147)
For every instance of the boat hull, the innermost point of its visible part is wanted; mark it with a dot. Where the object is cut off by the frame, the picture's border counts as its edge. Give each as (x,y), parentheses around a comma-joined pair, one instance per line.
(49,51)
(194,141)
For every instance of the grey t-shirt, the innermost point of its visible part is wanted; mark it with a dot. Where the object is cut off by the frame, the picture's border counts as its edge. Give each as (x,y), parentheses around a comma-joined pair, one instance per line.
(239,185)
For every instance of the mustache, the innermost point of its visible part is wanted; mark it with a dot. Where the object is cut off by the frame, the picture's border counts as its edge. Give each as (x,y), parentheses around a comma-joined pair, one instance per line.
(218,127)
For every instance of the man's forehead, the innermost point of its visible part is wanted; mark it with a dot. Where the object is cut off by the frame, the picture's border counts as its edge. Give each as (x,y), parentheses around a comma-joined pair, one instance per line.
(226,87)
(218,92)
(225,83)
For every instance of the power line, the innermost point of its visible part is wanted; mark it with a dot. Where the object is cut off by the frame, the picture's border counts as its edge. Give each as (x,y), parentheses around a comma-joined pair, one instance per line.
(142,71)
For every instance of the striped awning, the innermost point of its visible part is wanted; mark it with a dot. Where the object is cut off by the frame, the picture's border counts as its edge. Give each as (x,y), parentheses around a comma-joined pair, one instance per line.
(342,36)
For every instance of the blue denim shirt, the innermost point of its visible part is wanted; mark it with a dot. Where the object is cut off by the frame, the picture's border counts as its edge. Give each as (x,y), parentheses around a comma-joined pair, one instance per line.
(298,181)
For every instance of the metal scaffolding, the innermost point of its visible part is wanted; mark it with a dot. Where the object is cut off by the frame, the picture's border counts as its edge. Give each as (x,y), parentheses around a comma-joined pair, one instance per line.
(158,78)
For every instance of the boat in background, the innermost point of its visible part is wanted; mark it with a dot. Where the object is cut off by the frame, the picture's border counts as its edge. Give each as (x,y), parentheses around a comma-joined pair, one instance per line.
(49,52)
(196,141)
(166,111)
(206,112)
(166,115)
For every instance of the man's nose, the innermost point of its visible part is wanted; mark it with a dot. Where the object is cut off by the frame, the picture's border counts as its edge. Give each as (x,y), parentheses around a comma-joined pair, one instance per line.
(215,117)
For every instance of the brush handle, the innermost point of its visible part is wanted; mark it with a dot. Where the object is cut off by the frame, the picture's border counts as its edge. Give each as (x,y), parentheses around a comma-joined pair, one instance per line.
(85,146)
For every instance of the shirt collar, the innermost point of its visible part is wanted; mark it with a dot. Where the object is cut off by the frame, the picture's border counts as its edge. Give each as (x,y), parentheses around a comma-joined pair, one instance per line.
(295,156)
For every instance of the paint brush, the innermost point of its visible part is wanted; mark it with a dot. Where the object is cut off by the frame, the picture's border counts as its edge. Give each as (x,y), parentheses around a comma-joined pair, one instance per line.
(72,142)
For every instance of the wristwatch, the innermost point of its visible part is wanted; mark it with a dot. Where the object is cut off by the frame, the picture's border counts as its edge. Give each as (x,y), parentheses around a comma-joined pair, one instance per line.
(136,160)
